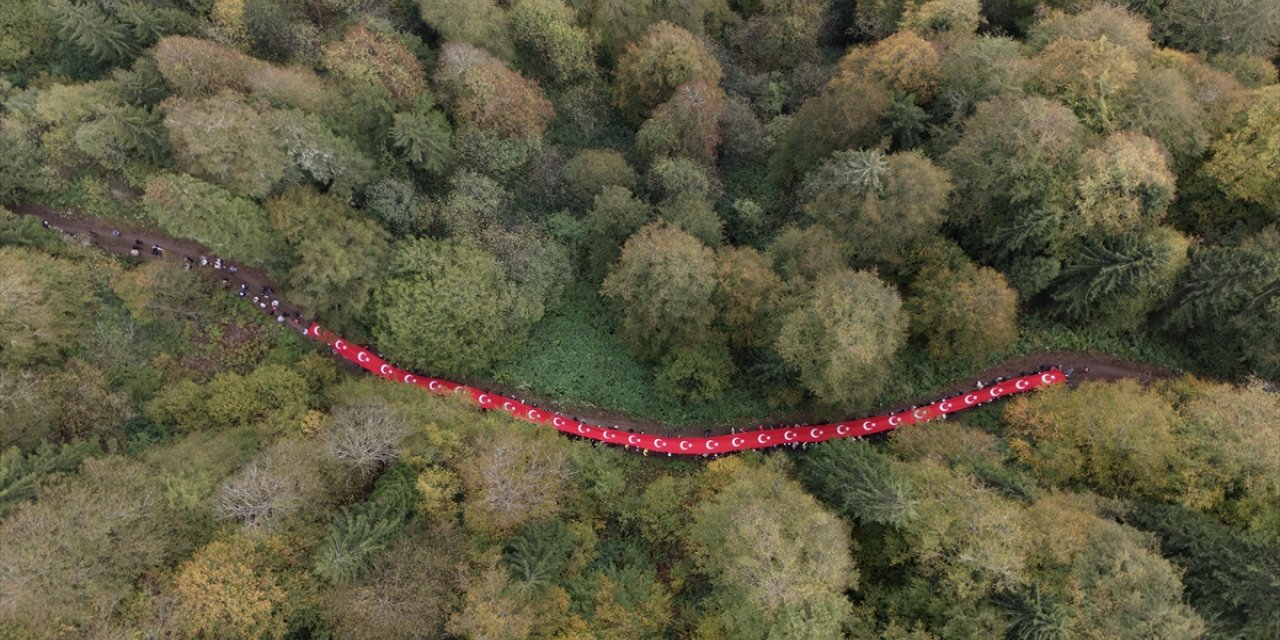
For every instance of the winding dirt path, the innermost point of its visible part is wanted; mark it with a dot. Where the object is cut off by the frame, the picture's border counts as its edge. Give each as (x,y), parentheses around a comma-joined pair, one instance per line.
(1084,366)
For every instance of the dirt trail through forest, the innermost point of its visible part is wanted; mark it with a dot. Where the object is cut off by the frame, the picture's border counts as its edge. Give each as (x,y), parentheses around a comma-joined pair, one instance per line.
(1085,366)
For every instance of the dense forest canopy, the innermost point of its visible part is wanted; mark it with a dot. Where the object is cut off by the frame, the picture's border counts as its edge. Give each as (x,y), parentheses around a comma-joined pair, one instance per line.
(700,212)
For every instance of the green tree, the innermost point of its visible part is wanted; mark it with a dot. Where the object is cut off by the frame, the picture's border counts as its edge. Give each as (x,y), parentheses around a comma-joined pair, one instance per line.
(843,338)
(1094,78)
(195,67)
(481,23)
(21,474)
(188,207)
(615,215)
(802,255)
(845,115)
(227,141)
(1115,283)
(696,373)
(1217,26)
(661,287)
(857,481)
(695,215)
(780,34)
(123,135)
(337,253)
(748,295)
(666,57)
(885,203)
(356,534)
(549,42)
(779,562)
(446,305)
(590,171)
(94,31)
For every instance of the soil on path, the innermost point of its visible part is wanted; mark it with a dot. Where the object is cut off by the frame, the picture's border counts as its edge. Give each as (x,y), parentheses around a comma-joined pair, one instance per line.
(1084,366)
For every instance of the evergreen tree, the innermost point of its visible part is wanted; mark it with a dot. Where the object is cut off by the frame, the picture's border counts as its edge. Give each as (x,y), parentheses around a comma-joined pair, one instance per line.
(1116,282)
(423,136)
(93,30)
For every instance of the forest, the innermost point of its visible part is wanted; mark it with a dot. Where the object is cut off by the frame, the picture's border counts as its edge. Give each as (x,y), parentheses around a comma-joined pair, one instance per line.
(687,215)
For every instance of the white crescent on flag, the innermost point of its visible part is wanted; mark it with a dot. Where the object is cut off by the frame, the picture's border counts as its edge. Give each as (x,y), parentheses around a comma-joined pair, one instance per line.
(920,413)
(386,371)
(736,442)
(970,399)
(842,429)
(867,425)
(815,433)
(432,385)
(484,398)
(533,415)
(632,439)
(609,435)
(580,428)
(711,444)
(339,344)
(559,422)
(684,445)
(945,406)
(995,393)
(891,421)
(788,435)
(659,443)
(1020,385)
(409,379)
(762,438)
(1046,378)
(315,331)
(508,407)
(362,356)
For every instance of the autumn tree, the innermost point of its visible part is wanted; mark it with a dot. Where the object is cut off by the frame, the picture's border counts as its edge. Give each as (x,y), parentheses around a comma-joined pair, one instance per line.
(484,92)
(780,562)
(688,124)
(1094,78)
(904,63)
(227,141)
(224,591)
(43,303)
(780,34)
(661,287)
(802,255)
(1124,185)
(696,215)
(655,65)
(614,216)
(964,312)
(195,67)
(447,306)
(844,336)
(364,436)
(1113,436)
(590,171)
(748,294)
(1244,161)
(884,203)
(371,56)
(511,479)
(277,484)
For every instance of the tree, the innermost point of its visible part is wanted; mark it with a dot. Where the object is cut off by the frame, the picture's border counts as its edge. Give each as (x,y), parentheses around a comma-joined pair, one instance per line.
(73,555)
(513,478)
(474,203)
(615,215)
(356,534)
(227,141)
(843,338)
(964,313)
(802,255)
(859,483)
(1115,437)
(661,287)
(697,373)
(225,591)
(271,488)
(424,137)
(549,42)
(94,31)
(337,253)
(490,609)
(1094,78)
(123,135)
(1244,160)
(748,294)
(781,34)
(1124,185)
(780,562)
(43,303)
(1218,26)
(483,91)
(371,56)
(196,68)
(885,203)
(1117,24)
(845,115)
(1115,283)
(654,66)
(590,171)
(398,206)
(446,305)
(904,63)
(365,436)
(481,23)
(939,17)
(686,125)
(188,207)
(696,216)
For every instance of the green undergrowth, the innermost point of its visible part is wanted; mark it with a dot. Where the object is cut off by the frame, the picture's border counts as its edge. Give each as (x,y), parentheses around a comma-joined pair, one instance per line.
(574,358)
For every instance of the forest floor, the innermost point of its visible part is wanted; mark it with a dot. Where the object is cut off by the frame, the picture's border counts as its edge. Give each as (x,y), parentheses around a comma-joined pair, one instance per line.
(1084,366)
